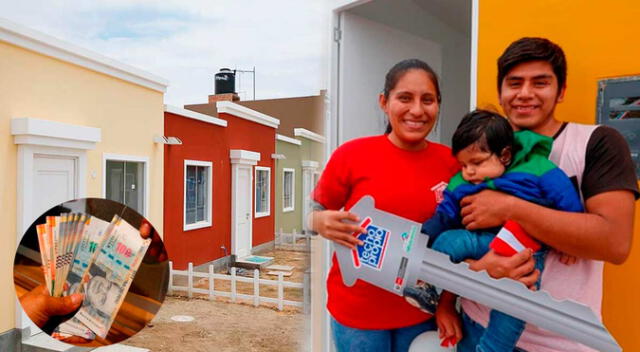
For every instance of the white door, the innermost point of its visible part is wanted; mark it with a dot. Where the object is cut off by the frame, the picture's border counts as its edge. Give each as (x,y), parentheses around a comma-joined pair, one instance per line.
(243,211)
(55,181)
(307,188)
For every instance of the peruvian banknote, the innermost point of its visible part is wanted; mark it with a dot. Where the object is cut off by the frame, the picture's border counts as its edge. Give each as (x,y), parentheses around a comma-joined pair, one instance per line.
(110,276)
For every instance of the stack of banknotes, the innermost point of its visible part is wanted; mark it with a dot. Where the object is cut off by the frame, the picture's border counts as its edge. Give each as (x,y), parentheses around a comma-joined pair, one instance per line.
(84,254)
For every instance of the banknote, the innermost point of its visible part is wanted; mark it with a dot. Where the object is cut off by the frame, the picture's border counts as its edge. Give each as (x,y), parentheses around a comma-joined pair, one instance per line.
(60,238)
(43,242)
(73,327)
(110,276)
(52,242)
(93,232)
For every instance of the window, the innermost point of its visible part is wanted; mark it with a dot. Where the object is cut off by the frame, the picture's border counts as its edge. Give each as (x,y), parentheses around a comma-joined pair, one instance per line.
(125,181)
(263,179)
(288,185)
(197,194)
(619,107)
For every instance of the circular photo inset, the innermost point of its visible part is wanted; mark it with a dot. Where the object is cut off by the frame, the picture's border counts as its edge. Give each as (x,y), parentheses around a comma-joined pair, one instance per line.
(91,272)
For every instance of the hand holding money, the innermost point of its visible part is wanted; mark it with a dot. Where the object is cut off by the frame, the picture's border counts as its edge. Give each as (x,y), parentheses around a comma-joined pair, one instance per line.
(83,254)
(40,306)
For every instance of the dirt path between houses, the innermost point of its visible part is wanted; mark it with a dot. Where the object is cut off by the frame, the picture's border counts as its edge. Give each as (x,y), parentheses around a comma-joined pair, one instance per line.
(219,325)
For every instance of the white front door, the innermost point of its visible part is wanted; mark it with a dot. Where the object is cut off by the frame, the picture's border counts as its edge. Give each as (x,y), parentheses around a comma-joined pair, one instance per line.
(309,181)
(243,211)
(307,187)
(51,169)
(55,181)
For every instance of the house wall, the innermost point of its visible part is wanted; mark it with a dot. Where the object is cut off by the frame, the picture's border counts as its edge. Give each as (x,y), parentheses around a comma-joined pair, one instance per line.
(203,142)
(247,135)
(297,112)
(37,86)
(595,40)
(287,221)
(312,150)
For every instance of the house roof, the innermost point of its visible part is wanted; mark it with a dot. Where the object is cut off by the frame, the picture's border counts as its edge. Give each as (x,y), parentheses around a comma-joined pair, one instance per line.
(246,113)
(44,44)
(195,115)
(297,112)
(282,138)
(301,132)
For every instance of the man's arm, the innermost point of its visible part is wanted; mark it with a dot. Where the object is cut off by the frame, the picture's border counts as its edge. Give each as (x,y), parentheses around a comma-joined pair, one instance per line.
(603,233)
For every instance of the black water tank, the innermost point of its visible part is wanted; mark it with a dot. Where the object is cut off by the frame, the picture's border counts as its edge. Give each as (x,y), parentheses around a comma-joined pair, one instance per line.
(225,81)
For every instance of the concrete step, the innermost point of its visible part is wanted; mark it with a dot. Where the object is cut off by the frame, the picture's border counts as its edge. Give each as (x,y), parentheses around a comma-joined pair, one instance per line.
(41,342)
(44,343)
(252,262)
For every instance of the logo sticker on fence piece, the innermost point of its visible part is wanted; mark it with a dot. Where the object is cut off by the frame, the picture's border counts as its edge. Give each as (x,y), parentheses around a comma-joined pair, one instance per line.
(371,253)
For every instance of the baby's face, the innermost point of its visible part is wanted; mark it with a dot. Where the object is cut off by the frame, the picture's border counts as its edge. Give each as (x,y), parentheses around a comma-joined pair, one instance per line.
(478,164)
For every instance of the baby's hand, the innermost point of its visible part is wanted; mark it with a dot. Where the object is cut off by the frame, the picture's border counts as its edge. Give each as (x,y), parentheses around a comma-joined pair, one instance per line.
(567,259)
(448,320)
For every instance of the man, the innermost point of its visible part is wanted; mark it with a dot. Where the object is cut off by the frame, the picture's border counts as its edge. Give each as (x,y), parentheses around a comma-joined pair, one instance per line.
(531,82)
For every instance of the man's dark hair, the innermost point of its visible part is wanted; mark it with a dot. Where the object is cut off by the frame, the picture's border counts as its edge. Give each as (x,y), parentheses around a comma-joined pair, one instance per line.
(490,130)
(533,49)
(398,70)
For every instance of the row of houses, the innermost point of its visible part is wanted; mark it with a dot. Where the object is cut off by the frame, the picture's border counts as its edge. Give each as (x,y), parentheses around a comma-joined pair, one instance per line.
(234,180)
(214,179)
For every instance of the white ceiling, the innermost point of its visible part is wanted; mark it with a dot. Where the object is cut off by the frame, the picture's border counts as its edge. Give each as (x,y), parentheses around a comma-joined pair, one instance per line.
(455,13)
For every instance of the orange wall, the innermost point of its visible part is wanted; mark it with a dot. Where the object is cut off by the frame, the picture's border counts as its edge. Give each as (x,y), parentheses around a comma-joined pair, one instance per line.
(599,39)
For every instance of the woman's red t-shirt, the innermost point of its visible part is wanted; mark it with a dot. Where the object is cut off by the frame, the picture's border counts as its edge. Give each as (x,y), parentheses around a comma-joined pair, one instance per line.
(406,183)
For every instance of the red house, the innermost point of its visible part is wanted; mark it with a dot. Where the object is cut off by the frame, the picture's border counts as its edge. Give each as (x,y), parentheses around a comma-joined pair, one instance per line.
(218,186)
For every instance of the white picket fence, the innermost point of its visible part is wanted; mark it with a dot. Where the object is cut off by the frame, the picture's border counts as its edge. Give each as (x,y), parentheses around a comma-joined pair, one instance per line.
(234,295)
(289,241)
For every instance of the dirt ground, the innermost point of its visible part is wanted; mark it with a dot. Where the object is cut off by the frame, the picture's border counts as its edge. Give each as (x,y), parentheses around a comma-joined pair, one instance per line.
(219,325)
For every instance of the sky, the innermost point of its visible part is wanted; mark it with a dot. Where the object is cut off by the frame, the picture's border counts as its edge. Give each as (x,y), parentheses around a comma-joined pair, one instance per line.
(188,41)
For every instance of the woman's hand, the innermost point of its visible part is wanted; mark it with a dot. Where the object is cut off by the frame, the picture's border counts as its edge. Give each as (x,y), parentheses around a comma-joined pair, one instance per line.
(329,224)
(448,319)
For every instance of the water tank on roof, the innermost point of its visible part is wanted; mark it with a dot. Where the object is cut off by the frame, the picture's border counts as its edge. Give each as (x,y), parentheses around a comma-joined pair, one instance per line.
(225,81)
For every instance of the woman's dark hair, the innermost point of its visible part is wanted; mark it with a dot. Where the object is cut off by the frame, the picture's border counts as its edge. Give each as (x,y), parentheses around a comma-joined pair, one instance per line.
(490,130)
(533,49)
(398,70)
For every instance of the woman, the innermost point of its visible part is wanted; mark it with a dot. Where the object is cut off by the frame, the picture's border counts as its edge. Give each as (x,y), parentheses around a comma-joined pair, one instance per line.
(404,173)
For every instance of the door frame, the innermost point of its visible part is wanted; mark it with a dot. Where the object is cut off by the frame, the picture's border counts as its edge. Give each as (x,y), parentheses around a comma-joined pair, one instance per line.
(309,167)
(321,330)
(241,159)
(35,137)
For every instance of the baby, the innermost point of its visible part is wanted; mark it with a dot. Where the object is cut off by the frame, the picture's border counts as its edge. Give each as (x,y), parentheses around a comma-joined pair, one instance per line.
(493,157)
